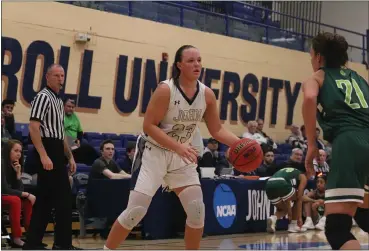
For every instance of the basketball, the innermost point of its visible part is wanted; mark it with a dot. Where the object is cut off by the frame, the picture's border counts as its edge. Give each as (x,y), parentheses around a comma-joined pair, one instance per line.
(245,155)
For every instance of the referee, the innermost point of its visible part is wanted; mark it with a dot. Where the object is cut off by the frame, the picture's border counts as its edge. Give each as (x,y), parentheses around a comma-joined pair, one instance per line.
(53,189)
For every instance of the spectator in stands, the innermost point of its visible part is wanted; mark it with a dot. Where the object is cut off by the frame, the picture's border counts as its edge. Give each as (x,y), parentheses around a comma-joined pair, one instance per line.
(253,134)
(212,158)
(328,150)
(259,129)
(7,106)
(72,125)
(295,161)
(5,135)
(82,153)
(302,129)
(320,164)
(267,168)
(319,143)
(211,154)
(12,195)
(314,204)
(129,155)
(296,140)
(105,166)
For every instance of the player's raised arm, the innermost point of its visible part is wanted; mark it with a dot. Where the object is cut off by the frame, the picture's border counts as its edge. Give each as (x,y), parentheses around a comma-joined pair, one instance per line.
(213,123)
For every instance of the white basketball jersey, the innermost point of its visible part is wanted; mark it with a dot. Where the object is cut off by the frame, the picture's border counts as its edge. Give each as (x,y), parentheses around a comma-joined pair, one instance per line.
(183,115)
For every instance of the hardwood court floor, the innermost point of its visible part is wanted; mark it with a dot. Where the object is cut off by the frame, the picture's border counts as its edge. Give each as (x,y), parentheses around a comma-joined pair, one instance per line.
(258,241)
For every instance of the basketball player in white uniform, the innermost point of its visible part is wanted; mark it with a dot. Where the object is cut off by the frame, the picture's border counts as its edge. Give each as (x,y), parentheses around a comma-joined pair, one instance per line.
(197,142)
(163,151)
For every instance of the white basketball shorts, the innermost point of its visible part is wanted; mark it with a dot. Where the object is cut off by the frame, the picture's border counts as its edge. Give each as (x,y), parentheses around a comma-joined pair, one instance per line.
(152,166)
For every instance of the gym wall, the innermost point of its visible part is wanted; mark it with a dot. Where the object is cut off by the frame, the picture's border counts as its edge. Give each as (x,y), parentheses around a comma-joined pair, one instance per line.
(112,76)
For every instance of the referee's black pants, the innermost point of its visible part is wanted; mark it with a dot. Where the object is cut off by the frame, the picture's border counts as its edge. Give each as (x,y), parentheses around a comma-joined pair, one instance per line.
(53,191)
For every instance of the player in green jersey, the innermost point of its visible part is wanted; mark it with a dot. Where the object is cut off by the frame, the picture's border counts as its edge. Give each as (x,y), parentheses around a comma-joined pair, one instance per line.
(342,97)
(286,185)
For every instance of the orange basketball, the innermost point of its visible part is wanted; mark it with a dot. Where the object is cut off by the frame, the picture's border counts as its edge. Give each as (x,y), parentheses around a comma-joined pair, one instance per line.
(245,155)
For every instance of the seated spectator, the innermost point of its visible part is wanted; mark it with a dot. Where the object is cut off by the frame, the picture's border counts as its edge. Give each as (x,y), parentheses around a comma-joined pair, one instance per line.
(5,135)
(295,161)
(212,158)
(267,168)
(253,134)
(129,155)
(320,164)
(7,106)
(259,129)
(12,195)
(82,153)
(328,150)
(319,142)
(302,129)
(211,154)
(105,167)
(314,203)
(296,140)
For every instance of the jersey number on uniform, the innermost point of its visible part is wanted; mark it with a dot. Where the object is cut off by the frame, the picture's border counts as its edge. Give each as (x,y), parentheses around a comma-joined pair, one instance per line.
(349,84)
(288,169)
(179,129)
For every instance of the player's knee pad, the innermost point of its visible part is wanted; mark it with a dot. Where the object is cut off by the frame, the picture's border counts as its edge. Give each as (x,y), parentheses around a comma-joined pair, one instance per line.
(338,230)
(362,218)
(138,204)
(192,202)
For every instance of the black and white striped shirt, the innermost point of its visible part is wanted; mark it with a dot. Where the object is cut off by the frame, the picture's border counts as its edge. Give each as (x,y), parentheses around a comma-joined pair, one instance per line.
(48,108)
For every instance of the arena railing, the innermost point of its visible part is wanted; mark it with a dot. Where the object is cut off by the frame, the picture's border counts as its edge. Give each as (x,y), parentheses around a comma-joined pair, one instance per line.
(297,38)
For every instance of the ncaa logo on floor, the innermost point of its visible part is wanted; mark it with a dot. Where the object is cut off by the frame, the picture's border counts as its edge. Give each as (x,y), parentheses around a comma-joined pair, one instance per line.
(224,204)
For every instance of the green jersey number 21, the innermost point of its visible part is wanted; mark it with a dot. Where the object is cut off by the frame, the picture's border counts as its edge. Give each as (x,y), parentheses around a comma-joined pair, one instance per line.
(349,86)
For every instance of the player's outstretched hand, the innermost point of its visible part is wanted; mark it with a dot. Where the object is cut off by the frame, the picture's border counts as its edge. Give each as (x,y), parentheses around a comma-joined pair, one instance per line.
(188,153)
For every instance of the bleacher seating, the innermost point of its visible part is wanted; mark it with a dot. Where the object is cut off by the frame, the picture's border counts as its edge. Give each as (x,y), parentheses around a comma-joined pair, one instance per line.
(165,12)
(112,136)
(282,153)
(246,21)
(119,152)
(22,128)
(82,168)
(97,149)
(93,135)
(95,142)
(116,7)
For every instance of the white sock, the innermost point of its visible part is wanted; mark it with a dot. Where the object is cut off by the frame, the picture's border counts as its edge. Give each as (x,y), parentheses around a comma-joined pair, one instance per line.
(18,241)
(308,219)
(106,248)
(293,222)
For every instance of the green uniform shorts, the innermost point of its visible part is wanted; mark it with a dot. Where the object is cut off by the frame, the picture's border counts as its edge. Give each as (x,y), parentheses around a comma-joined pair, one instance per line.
(349,169)
(278,189)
